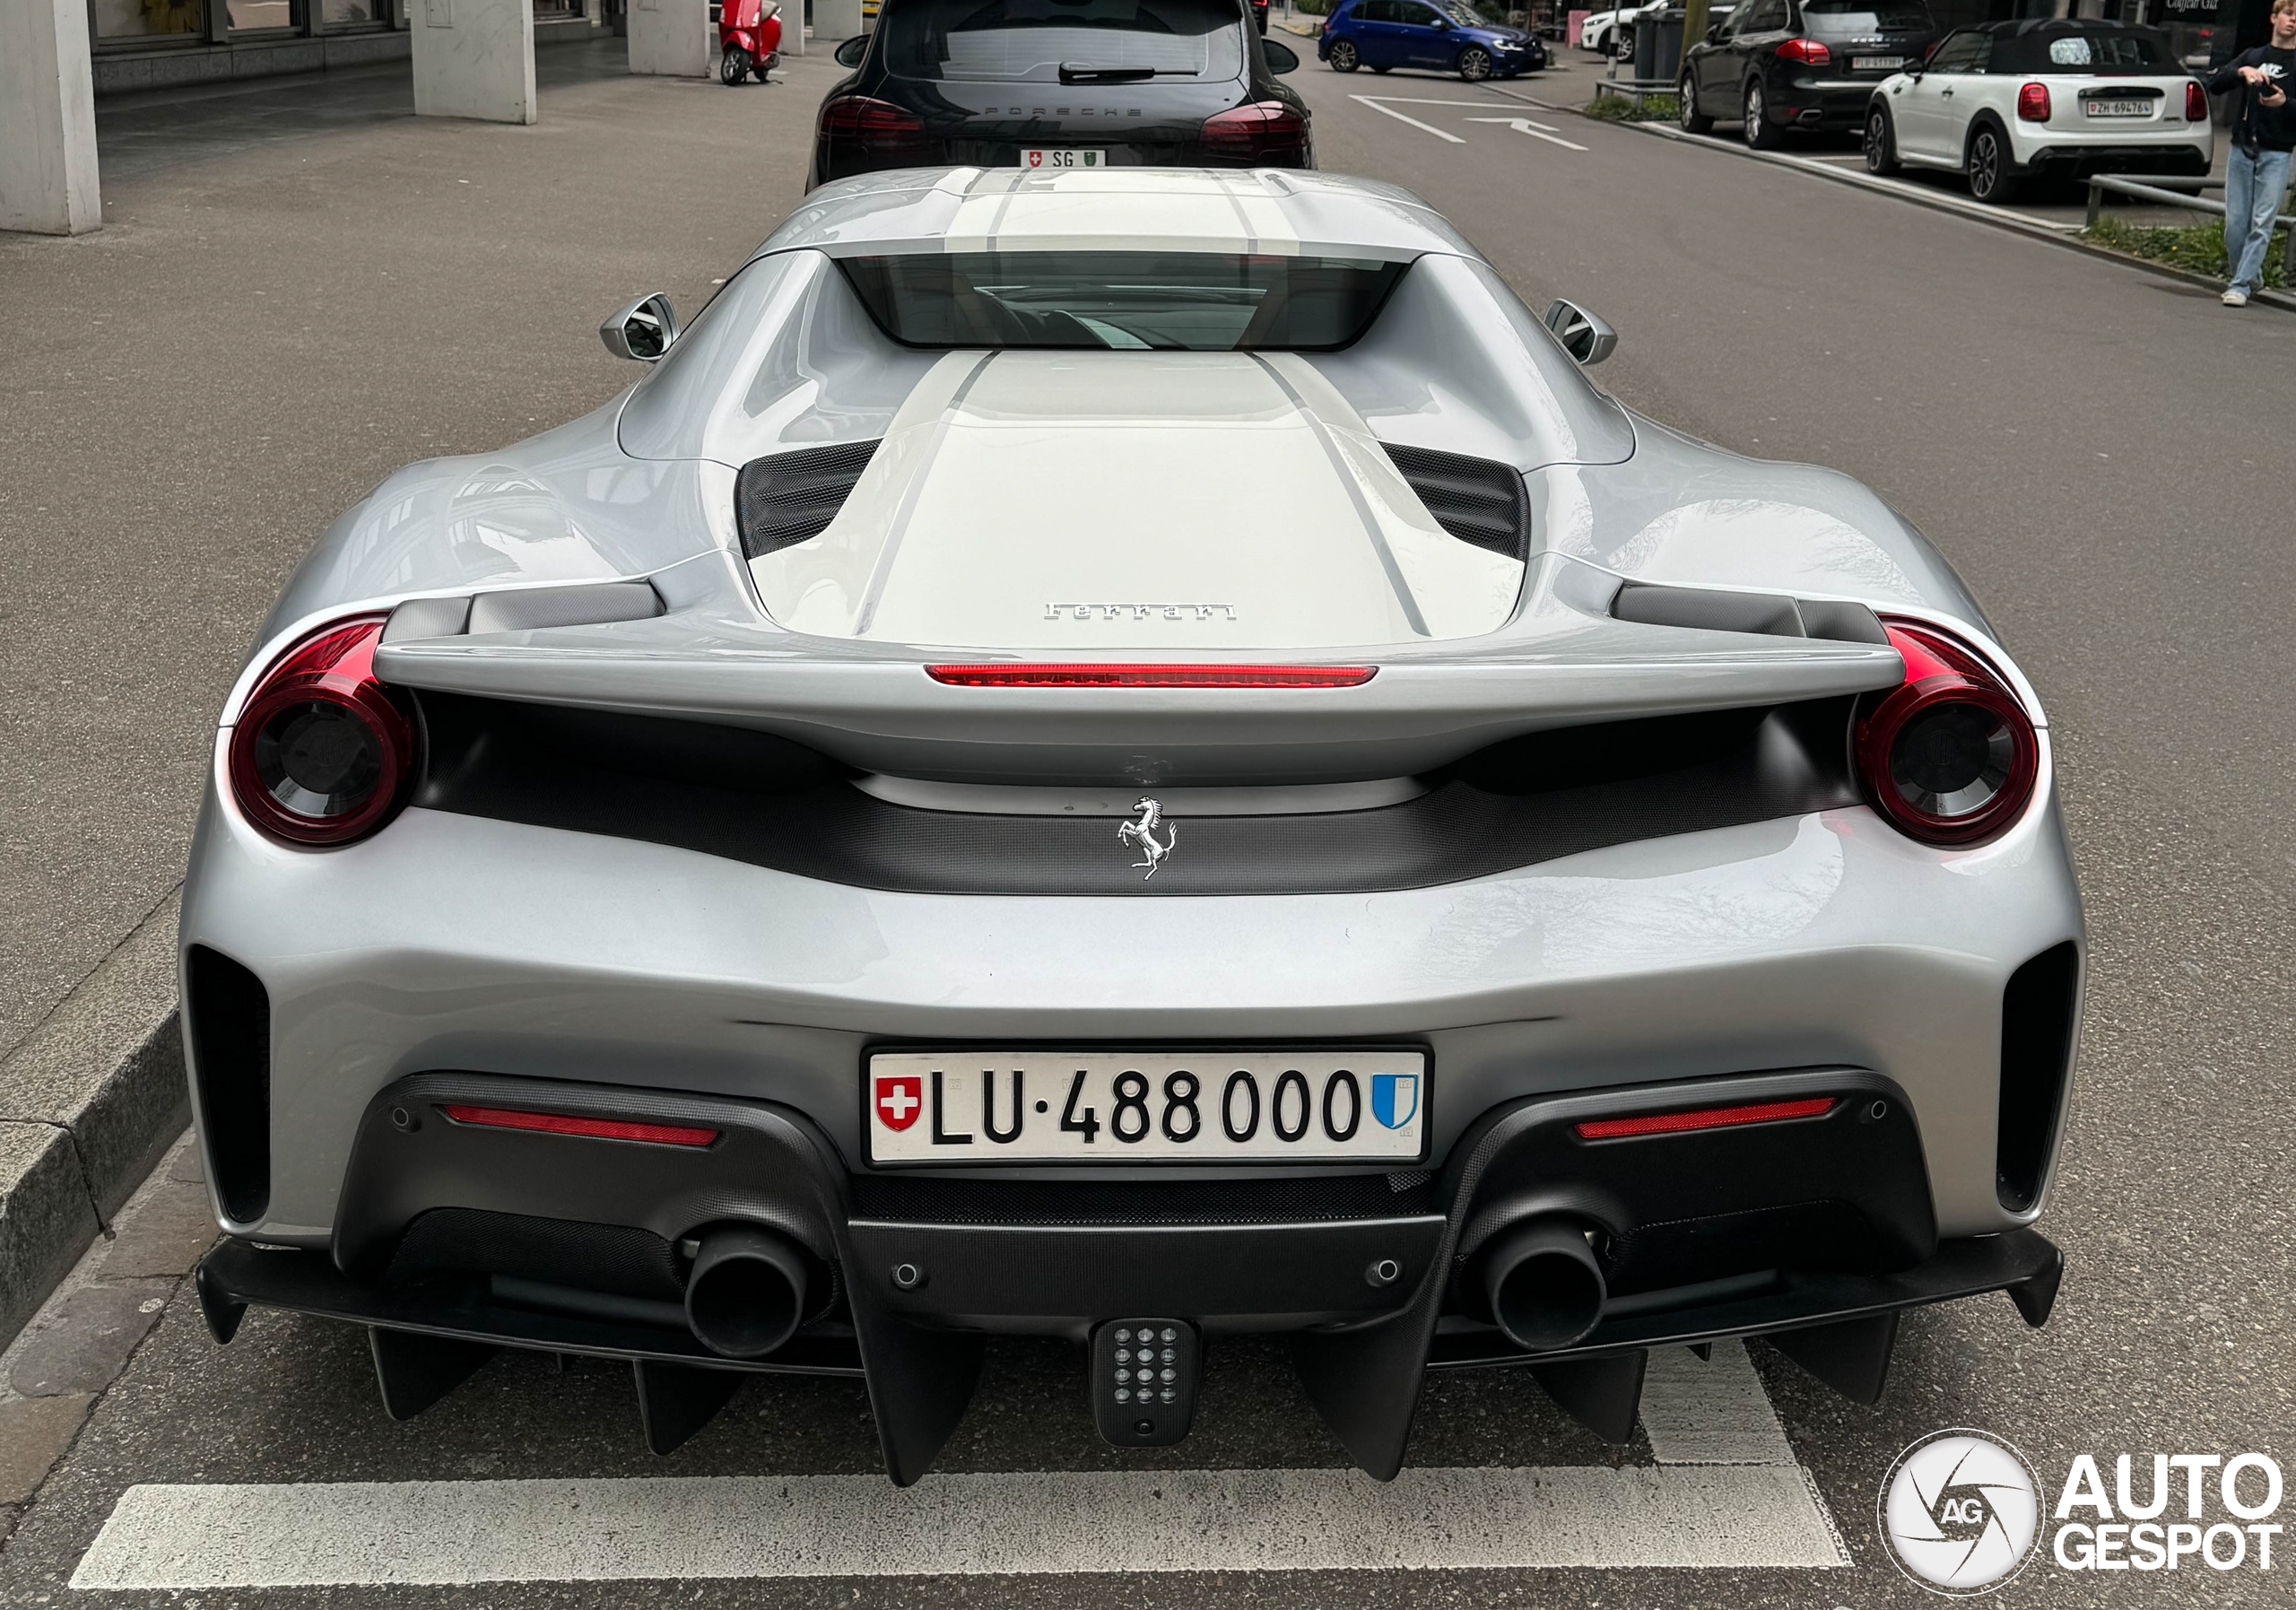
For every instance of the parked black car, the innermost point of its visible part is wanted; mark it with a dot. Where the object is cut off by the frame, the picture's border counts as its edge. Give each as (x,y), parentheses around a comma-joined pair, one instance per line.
(1799,63)
(1062,83)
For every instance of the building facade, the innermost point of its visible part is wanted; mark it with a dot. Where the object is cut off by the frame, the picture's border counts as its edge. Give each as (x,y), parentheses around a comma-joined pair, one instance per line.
(152,44)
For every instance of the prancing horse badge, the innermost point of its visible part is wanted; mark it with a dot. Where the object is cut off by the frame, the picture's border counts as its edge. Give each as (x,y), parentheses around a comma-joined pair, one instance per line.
(1141,833)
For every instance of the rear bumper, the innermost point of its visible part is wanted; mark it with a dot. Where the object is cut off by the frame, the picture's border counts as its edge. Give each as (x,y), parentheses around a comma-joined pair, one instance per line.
(456,1238)
(2055,154)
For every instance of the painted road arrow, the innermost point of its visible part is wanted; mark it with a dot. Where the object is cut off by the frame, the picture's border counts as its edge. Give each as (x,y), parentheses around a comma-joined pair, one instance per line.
(1523,125)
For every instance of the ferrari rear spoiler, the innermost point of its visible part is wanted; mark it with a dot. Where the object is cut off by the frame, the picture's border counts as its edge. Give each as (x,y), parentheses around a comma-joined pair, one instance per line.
(880,708)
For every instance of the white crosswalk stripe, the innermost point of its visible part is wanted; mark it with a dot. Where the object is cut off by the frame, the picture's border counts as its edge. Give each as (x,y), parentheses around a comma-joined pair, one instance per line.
(1725,1492)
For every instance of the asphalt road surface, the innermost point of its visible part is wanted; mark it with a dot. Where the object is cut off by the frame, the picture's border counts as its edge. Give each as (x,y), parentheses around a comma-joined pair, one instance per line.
(267,329)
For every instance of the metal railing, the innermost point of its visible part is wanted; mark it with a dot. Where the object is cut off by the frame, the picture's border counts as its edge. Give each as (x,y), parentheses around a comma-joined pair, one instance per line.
(2177,191)
(1636,89)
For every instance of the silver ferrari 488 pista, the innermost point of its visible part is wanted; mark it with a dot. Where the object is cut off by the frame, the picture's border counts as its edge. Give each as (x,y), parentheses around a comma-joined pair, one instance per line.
(1134,755)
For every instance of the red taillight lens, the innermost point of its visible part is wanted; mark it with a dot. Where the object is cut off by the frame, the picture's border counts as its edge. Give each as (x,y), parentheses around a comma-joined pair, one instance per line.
(559,1123)
(1152,676)
(1808,52)
(865,127)
(2032,103)
(322,753)
(2195,104)
(1264,131)
(1708,1118)
(1949,756)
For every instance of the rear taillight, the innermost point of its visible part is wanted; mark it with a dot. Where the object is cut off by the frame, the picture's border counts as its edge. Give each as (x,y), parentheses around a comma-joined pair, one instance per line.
(1264,131)
(859,125)
(1949,756)
(2195,103)
(1099,676)
(1808,52)
(2032,103)
(322,753)
(559,1123)
(1704,1118)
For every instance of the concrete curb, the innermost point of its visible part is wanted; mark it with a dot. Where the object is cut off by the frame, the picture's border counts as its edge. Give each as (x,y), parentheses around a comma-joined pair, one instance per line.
(88,1103)
(2016,223)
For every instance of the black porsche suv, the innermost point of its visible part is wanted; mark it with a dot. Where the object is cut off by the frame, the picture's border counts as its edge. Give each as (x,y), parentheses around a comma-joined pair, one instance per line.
(1062,83)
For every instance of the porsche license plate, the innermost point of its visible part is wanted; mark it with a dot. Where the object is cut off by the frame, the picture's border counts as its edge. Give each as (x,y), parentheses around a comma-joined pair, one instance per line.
(2117,109)
(1063,157)
(975,1107)
(1876,64)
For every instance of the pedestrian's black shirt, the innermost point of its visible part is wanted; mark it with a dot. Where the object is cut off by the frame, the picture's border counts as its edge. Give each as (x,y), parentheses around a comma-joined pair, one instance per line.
(2269,127)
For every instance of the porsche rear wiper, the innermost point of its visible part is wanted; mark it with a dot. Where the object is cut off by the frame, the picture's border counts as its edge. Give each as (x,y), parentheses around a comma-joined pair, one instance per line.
(1084,73)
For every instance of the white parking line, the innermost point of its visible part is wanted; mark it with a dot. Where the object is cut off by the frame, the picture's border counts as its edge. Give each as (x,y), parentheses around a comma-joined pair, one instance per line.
(1415,123)
(1726,1494)
(1488,106)
(1537,131)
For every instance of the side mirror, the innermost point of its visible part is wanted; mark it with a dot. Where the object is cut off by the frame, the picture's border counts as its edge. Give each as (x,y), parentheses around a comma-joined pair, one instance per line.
(1281,58)
(643,330)
(849,52)
(1583,335)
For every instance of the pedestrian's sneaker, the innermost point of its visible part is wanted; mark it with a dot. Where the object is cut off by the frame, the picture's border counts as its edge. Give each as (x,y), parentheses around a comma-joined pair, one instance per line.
(2236,297)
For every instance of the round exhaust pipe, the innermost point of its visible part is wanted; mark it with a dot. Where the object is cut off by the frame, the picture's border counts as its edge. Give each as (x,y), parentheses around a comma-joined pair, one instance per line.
(746,1295)
(1545,1288)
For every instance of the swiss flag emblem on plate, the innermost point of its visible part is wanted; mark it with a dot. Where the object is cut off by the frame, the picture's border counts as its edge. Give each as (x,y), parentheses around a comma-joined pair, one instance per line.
(899,1097)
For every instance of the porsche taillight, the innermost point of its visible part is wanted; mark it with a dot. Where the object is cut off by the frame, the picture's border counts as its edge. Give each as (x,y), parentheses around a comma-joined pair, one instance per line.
(862,126)
(322,753)
(1949,755)
(1809,53)
(1263,131)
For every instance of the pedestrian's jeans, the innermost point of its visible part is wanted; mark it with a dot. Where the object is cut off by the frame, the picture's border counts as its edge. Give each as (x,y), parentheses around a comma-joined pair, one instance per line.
(2253,187)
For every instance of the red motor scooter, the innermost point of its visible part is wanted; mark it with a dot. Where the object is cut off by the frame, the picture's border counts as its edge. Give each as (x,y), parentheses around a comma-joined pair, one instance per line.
(749,39)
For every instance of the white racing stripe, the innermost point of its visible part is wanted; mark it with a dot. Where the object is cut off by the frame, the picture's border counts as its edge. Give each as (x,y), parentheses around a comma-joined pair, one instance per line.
(1726,1492)
(1415,123)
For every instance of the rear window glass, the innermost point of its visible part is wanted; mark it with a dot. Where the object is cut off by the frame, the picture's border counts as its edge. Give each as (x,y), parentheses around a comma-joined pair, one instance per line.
(1028,42)
(2082,52)
(1847,18)
(1188,302)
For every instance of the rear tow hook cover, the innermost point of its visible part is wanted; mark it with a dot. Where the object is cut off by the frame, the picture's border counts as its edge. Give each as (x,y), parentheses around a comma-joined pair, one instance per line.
(1144,1374)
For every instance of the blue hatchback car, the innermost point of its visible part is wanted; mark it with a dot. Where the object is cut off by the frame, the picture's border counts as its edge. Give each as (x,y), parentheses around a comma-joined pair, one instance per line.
(1446,36)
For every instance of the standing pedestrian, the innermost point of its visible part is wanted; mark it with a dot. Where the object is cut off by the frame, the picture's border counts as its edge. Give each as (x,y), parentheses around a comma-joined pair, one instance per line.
(2264,130)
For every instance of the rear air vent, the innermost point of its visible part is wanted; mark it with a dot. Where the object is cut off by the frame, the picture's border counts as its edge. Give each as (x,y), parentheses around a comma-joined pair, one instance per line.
(1768,614)
(1474,499)
(2037,1011)
(230,1070)
(788,497)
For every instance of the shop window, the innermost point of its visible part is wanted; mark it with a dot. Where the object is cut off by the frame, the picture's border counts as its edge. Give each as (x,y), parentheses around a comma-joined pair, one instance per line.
(558,10)
(148,19)
(258,16)
(335,15)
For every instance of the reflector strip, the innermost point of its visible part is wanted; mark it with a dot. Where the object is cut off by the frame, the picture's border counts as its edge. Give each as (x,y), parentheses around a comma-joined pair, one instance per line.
(553,1123)
(1152,676)
(1711,1118)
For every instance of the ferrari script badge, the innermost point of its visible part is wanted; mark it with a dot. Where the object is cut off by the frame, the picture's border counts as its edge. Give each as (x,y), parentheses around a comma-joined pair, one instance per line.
(1140,834)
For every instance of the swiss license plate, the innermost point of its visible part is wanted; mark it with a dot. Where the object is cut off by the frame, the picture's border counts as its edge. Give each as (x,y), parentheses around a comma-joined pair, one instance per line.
(1876,64)
(2117,109)
(974,1106)
(1063,157)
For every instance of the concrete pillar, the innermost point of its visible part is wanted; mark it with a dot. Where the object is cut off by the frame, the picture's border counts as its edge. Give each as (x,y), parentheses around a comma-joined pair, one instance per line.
(48,120)
(671,38)
(835,20)
(473,58)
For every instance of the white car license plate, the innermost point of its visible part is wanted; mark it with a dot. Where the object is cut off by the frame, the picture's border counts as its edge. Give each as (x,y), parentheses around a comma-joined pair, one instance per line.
(1876,64)
(1064,157)
(974,1106)
(2117,109)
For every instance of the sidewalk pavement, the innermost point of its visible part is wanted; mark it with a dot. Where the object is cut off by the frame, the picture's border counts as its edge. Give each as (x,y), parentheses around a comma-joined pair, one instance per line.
(299,287)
